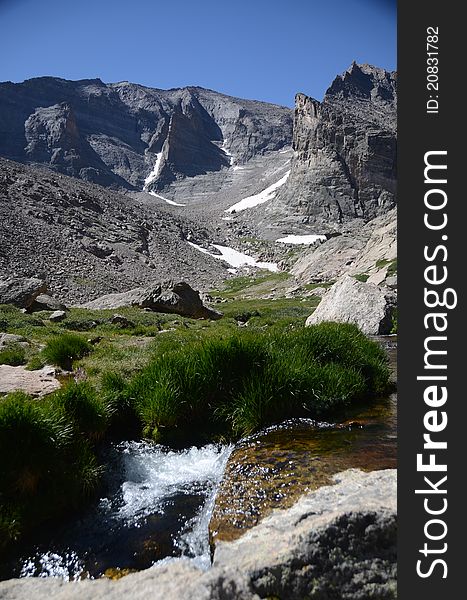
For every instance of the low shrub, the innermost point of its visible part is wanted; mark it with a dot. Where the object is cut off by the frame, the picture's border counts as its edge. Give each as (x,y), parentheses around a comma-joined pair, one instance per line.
(63,349)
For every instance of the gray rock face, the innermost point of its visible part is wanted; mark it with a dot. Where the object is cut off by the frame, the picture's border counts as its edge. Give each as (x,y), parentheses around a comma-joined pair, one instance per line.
(57,316)
(112,134)
(359,249)
(344,165)
(21,291)
(11,339)
(35,383)
(351,301)
(337,542)
(178,298)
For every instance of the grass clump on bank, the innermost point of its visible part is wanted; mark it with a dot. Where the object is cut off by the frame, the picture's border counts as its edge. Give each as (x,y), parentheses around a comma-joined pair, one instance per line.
(235,384)
(197,382)
(49,465)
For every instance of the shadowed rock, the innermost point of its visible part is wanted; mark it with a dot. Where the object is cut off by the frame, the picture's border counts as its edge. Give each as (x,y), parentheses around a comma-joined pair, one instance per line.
(21,291)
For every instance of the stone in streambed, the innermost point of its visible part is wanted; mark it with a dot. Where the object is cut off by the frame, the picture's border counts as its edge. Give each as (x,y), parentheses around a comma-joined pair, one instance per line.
(342,537)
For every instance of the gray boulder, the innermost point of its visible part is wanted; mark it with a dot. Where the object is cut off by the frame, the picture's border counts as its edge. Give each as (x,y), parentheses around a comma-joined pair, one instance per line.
(21,291)
(11,339)
(178,298)
(337,542)
(57,316)
(370,307)
(46,302)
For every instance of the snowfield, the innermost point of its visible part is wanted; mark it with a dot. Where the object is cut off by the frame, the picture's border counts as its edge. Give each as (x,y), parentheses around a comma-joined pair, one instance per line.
(235,258)
(256,199)
(153,175)
(302,239)
(172,202)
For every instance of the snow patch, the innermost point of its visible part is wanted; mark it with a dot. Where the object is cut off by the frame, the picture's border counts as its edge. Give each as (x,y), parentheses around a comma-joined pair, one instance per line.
(235,258)
(172,202)
(256,199)
(302,239)
(154,174)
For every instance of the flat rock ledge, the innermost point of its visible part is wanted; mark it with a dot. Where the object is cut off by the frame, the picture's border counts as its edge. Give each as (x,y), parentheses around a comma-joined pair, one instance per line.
(35,383)
(336,542)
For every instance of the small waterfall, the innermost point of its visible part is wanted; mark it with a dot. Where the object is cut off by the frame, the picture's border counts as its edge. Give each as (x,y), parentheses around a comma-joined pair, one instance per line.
(172,491)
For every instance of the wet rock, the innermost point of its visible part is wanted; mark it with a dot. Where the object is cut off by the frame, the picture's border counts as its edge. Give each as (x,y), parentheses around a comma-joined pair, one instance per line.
(340,538)
(178,298)
(35,383)
(350,301)
(21,291)
(271,470)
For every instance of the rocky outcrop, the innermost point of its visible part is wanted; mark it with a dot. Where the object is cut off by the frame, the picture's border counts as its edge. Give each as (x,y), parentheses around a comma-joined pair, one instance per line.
(178,298)
(358,250)
(370,307)
(339,541)
(344,164)
(21,291)
(46,302)
(112,134)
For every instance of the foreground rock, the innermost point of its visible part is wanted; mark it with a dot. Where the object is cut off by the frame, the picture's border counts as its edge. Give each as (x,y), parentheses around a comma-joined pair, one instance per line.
(337,542)
(21,291)
(365,304)
(178,298)
(34,383)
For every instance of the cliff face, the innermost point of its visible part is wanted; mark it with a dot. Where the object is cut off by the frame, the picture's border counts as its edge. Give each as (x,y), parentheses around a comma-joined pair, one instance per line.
(344,163)
(115,134)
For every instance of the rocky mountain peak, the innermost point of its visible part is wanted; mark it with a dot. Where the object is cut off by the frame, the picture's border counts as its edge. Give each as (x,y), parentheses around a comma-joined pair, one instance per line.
(363,81)
(344,164)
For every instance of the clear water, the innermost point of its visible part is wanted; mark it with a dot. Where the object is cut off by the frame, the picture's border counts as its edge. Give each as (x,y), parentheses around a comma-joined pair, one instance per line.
(159,506)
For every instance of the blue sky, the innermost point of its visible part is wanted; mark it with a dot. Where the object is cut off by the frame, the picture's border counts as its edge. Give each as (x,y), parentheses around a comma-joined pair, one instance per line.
(262,49)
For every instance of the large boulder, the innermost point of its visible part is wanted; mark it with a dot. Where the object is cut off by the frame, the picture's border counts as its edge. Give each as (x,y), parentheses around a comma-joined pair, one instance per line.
(178,298)
(21,291)
(46,302)
(337,542)
(370,307)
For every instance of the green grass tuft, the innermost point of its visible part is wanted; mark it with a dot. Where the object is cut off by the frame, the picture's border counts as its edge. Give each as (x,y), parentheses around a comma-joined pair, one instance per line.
(62,350)
(240,382)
